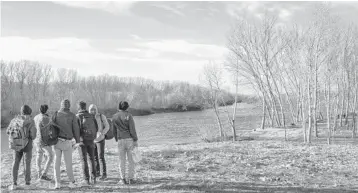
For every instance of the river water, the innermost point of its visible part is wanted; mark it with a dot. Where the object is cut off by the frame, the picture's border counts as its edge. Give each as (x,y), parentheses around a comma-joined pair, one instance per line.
(179,128)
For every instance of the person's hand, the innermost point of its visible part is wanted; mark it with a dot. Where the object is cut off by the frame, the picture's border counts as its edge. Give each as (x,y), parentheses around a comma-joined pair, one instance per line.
(76,145)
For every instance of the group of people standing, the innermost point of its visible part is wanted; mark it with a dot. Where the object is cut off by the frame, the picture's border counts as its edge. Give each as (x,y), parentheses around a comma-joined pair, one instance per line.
(88,128)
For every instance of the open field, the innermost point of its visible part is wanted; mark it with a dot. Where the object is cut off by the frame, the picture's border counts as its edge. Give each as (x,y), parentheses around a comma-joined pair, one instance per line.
(176,160)
(261,165)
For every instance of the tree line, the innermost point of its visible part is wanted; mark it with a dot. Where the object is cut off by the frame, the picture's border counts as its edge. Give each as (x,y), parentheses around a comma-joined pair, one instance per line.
(303,74)
(33,83)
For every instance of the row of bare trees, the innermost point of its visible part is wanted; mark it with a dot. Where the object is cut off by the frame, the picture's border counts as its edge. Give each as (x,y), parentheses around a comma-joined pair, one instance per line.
(303,74)
(32,83)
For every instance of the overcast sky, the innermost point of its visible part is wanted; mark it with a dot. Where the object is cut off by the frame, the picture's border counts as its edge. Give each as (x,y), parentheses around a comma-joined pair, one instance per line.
(157,40)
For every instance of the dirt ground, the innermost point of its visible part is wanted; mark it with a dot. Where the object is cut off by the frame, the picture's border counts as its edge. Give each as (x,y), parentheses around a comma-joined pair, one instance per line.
(265,164)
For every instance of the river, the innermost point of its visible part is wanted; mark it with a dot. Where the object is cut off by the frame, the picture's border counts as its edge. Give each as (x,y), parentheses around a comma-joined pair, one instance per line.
(179,128)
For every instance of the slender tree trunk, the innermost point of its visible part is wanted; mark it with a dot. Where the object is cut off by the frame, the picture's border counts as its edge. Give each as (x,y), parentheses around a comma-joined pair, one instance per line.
(263,112)
(299,106)
(315,100)
(269,113)
(218,119)
(348,97)
(304,124)
(309,112)
(354,129)
(329,111)
(343,100)
(234,114)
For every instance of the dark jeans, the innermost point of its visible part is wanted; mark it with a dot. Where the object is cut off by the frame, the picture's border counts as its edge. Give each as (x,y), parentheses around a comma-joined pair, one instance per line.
(27,154)
(88,150)
(99,156)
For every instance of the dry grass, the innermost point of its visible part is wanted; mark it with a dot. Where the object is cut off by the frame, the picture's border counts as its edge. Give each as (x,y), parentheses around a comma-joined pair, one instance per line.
(260,165)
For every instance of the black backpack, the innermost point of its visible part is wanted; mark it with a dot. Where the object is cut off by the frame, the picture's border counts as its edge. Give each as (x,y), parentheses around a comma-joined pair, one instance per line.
(50,132)
(88,127)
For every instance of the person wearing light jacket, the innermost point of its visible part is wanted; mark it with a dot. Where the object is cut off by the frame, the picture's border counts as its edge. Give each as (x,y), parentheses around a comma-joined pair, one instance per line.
(103,128)
(42,149)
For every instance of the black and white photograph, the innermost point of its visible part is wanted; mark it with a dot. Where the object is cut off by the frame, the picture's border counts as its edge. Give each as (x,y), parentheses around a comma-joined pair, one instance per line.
(179,96)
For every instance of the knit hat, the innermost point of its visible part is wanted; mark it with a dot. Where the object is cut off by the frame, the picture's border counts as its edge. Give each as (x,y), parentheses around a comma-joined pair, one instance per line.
(123,105)
(65,104)
(43,109)
(26,110)
(81,105)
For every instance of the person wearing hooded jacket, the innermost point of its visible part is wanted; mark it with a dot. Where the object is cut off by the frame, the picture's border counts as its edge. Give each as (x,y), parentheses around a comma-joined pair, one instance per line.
(42,149)
(69,129)
(125,134)
(103,128)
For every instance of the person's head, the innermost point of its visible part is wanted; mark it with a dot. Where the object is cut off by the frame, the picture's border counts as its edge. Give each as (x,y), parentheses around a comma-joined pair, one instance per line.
(43,109)
(81,105)
(123,105)
(93,109)
(26,110)
(65,104)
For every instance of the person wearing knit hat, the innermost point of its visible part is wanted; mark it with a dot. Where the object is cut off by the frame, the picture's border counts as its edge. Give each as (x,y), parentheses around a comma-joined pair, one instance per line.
(22,146)
(125,134)
(69,129)
(41,120)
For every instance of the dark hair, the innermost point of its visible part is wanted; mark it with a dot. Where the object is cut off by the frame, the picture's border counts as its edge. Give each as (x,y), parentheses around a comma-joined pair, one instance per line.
(26,110)
(43,109)
(123,105)
(82,105)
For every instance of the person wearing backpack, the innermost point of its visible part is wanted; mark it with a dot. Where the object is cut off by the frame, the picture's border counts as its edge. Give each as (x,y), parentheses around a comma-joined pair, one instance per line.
(21,132)
(88,132)
(42,120)
(126,136)
(68,124)
(103,128)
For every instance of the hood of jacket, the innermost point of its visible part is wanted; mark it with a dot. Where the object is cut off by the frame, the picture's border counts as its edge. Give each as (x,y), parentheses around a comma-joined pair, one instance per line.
(93,106)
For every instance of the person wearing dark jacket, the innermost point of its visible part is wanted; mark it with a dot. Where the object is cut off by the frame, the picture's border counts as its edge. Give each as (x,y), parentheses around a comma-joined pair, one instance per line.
(29,129)
(125,134)
(88,132)
(68,124)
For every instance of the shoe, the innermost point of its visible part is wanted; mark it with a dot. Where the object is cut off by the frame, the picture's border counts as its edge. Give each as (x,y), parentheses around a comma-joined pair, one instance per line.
(44,177)
(13,187)
(104,177)
(72,185)
(131,181)
(122,182)
(57,186)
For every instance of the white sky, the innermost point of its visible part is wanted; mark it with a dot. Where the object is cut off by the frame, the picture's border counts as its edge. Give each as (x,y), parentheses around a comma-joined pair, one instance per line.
(156,40)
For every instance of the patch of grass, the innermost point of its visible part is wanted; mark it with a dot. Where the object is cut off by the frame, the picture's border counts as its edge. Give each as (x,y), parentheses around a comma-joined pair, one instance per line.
(244,166)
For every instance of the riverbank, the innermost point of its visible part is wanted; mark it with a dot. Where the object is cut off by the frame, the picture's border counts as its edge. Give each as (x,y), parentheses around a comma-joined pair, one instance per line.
(261,165)
(6,116)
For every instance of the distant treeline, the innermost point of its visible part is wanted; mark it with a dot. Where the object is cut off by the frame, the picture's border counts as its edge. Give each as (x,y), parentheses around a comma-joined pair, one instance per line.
(32,83)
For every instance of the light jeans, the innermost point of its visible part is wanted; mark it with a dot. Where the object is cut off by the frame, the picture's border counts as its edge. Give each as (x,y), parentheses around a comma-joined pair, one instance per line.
(41,150)
(65,147)
(125,148)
